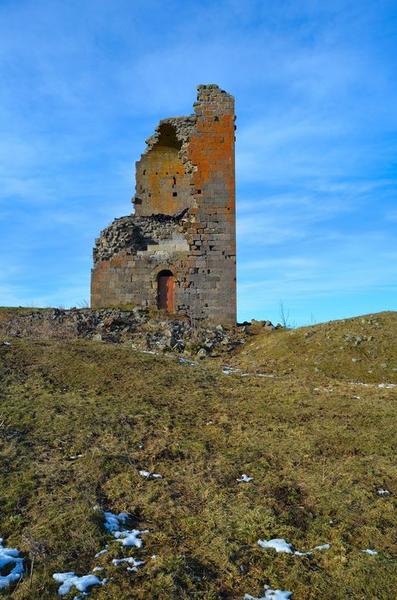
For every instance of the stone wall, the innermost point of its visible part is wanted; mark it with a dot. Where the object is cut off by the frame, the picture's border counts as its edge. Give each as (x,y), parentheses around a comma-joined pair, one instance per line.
(140,328)
(184,219)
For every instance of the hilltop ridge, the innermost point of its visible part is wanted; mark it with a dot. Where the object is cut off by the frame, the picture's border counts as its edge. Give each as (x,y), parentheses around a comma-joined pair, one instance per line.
(361,348)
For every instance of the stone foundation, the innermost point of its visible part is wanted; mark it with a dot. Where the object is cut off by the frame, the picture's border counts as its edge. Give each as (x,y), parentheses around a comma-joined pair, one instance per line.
(139,328)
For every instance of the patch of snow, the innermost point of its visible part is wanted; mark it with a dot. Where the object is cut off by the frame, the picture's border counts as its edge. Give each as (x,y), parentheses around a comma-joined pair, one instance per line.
(10,557)
(281,545)
(134,564)
(244,478)
(101,552)
(387,386)
(186,361)
(383,492)
(97,569)
(322,547)
(234,371)
(150,475)
(278,544)
(229,370)
(271,595)
(130,537)
(114,522)
(70,580)
(127,537)
(6,343)
(310,552)
(370,552)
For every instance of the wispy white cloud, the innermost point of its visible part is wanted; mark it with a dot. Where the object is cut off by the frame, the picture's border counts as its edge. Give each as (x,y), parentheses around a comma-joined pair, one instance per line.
(285,217)
(338,268)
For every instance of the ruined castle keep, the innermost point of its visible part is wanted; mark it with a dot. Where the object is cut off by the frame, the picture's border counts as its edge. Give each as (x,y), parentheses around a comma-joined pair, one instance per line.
(177,252)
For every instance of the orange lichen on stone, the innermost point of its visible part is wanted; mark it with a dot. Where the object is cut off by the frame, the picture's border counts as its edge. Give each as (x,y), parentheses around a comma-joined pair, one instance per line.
(163,184)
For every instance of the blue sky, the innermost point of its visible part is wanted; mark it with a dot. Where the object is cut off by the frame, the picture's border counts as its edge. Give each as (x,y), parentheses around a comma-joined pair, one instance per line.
(83,83)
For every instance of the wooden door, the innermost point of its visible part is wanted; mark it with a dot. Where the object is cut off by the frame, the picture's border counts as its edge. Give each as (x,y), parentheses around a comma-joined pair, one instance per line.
(165,291)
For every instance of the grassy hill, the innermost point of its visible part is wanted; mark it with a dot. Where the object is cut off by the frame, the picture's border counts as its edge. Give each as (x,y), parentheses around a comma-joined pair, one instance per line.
(360,349)
(79,420)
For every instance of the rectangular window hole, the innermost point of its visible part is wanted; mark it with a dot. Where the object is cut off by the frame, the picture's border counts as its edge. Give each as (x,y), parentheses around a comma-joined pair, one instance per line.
(174,194)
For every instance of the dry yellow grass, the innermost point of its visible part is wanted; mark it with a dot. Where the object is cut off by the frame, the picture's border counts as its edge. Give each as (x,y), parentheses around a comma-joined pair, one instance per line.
(317,443)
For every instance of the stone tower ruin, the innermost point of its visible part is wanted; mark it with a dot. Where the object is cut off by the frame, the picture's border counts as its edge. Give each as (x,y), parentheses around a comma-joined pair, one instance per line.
(177,252)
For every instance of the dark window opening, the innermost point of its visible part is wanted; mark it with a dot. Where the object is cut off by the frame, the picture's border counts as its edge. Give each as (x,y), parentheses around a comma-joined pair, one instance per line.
(174,194)
(216,118)
(199,191)
(174,180)
(144,172)
(168,137)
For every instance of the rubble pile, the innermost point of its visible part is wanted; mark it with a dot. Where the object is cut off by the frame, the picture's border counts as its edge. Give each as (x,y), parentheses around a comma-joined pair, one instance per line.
(140,327)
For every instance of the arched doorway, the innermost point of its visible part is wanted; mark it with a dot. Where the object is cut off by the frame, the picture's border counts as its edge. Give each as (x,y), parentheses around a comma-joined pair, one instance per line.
(165,291)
